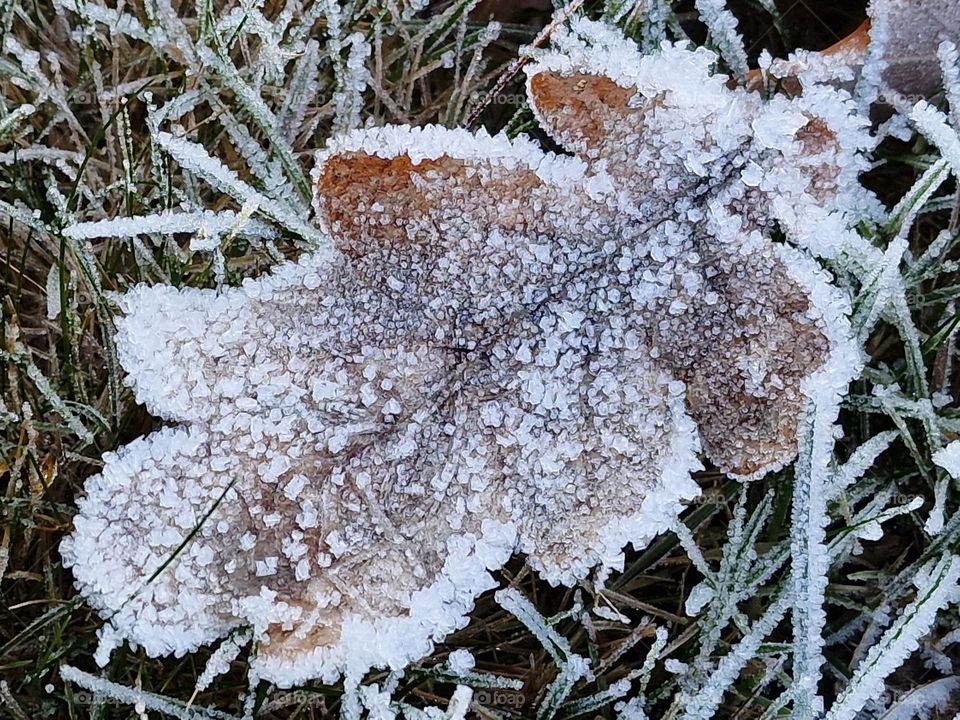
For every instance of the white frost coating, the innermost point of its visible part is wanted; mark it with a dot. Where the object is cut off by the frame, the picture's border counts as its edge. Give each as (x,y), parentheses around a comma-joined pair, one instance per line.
(568,663)
(596,49)
(394,643)
(657,513)
(160,350)
(949,459)
(461,662)
(937,587)
(935,126)
(703,705)
(194,159)
(824,389)
(935,521)
(846,359)
(699,596)
(722,25)
(683,79)
(859,462)
(103,688)
(460,703)
(503,351)
(220,659)
(348,100)
(431,142)
(870,83)
(950,69)
(176,612)
(53,293)
(924,700)
(167,223)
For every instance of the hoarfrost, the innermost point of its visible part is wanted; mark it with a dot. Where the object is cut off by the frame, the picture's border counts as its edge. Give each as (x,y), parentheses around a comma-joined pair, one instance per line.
(53,293)
(104,689)
(461,662)
(936,127)
(923,701)
(349,99)
(937,588)
(220,659)
(949,459)
(722,25)
(503,350)
(701,594)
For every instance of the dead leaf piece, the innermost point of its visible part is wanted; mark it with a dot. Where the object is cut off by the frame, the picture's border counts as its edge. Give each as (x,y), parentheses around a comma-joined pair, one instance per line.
(507,351)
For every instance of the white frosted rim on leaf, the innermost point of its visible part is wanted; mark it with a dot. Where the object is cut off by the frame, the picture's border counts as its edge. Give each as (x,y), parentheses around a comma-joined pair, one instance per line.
(594,48)
(432,142)
(115,585)
(394,642)
(828,305)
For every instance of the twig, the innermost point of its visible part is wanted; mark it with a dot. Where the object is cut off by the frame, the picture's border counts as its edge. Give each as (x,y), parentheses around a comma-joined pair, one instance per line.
(516,65)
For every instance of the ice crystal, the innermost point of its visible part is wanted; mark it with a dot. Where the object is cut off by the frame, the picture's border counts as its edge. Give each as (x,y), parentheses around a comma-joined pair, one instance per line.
(504,351)
(949,458)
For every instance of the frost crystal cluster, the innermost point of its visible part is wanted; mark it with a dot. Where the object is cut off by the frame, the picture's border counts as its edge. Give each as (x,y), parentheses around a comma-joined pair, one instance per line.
(505,351)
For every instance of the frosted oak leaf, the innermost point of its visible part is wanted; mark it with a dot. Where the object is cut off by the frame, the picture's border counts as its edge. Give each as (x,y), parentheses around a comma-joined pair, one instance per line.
(505,351)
